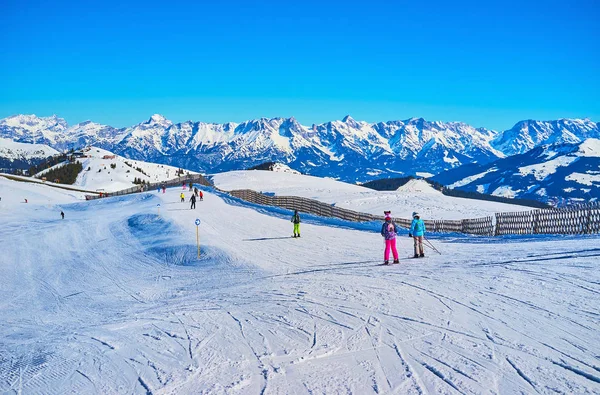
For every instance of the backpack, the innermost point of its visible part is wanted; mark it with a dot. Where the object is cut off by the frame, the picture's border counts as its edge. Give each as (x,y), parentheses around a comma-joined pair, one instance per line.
(390,231)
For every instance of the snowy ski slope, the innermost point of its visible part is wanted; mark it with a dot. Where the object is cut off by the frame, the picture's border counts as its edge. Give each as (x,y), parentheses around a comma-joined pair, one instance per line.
(102,177)
(13,193)
(112,299)
(416,195)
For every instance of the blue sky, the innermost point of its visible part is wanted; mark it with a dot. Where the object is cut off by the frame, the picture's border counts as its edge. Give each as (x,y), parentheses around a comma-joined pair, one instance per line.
(487,63)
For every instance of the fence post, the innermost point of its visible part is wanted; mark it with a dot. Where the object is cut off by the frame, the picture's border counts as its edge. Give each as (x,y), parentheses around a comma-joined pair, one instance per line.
(589,218)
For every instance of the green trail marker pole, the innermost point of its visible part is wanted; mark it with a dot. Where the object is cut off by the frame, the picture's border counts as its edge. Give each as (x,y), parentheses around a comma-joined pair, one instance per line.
(197,222)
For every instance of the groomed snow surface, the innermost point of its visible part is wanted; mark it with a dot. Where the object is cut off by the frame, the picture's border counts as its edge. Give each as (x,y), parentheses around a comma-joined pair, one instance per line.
(113,299)
(416,195)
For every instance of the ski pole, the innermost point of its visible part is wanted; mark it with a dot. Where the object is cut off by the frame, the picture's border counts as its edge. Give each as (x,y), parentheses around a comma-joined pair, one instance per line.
(430,245)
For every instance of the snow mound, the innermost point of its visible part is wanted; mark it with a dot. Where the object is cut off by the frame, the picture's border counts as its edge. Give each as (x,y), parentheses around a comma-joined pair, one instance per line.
(283,168)
(418,186)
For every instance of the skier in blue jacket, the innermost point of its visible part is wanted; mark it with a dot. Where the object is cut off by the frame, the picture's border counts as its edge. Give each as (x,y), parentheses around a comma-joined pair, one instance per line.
(417,232)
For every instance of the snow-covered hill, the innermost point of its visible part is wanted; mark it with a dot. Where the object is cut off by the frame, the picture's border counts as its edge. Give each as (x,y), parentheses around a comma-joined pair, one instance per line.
(374,149)
(274,166)
(416,195)
(99,175)
(113,299)
(14,193)
(11,150)
(281,168)
(549,173)
(15,155)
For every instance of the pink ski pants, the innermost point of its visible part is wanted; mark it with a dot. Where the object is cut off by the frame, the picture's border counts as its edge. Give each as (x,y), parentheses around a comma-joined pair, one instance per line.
(390,244)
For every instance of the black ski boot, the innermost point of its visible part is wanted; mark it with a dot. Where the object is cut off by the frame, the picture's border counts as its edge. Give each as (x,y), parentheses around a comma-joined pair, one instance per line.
(386,262)
(396,261)
(416,256)
(422,256)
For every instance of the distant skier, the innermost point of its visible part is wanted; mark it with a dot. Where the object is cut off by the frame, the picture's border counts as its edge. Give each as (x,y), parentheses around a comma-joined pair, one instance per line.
(389,230)
(193,200)
(191,186)
(196,191)
(182,196)
(158,189)
(184,185)
(201,195)
(296,221)
(417,231)
(62,214)
(164,188)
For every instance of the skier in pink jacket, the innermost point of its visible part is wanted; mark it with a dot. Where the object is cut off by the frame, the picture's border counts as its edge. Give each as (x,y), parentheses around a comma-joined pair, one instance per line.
(389,231)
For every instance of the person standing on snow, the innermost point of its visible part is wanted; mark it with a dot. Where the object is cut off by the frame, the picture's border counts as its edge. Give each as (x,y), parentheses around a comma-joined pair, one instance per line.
(196,191)
(193,200)
(182,196)
(296,221)
(389,229)
(62,214)
(191,186)
(417,232)
(201,196)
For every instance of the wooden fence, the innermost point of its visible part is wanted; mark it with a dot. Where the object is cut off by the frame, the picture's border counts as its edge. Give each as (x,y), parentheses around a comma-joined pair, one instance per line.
(573,220)
(584,219)
(479,226)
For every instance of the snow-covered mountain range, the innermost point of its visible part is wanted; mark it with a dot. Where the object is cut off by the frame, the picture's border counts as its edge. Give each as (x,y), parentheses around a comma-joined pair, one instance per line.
(348,149)
(569,171)
(526,135)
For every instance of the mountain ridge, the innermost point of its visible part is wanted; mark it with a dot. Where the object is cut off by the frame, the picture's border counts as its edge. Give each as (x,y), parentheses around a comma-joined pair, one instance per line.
(389,148)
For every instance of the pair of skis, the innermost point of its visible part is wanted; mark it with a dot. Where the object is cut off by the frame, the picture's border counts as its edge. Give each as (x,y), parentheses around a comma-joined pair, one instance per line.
(396,263)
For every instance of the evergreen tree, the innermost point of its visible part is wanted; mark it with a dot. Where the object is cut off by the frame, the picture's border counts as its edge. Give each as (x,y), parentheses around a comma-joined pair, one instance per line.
(66,174)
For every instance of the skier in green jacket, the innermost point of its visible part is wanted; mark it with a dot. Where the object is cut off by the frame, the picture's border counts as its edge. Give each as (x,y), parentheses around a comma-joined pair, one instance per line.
(296,221)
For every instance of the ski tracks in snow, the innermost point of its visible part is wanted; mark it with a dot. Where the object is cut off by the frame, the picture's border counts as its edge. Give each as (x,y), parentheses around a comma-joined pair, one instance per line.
(309,315)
